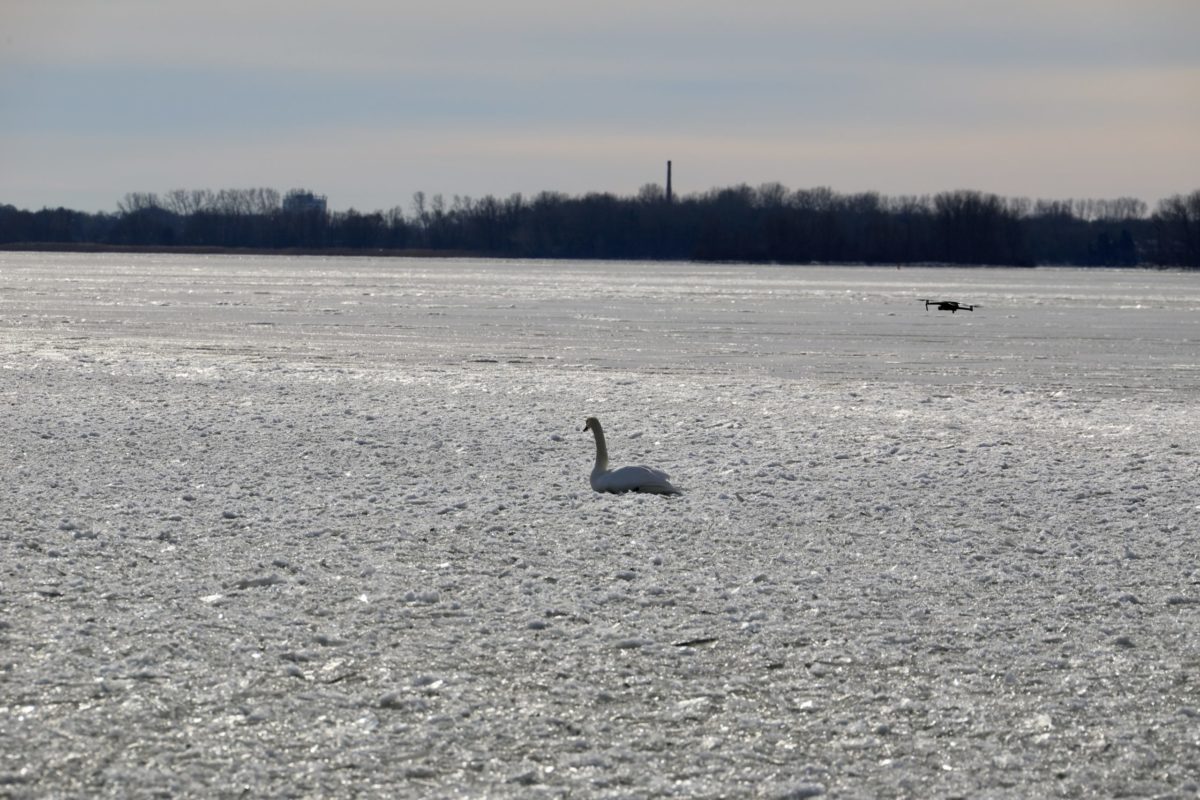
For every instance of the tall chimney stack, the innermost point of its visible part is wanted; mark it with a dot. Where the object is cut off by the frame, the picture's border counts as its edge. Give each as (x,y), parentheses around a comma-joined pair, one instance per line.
(668,183)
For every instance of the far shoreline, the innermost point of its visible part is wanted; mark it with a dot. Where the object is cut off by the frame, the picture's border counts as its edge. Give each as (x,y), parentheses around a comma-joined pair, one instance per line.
(88,247)
(358,252)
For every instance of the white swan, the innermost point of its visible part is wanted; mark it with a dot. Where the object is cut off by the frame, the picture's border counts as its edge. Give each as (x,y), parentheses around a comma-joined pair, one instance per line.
(625,479)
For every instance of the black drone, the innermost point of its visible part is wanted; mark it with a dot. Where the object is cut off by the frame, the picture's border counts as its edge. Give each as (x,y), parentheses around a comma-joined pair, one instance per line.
(947,305)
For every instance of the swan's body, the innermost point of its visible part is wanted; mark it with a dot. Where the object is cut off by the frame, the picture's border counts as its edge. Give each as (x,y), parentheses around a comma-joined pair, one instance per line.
(625,479)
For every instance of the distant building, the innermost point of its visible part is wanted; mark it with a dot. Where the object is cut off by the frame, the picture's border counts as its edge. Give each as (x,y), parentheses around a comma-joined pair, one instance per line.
(302,201)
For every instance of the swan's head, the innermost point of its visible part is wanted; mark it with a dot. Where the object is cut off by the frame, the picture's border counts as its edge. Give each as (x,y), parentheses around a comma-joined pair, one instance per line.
(592,424)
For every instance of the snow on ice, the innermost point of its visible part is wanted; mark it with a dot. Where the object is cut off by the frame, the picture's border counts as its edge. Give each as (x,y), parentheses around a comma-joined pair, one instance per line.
(322,527)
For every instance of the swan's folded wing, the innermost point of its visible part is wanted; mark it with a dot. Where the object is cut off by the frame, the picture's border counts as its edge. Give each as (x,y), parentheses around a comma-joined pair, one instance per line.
(638,479)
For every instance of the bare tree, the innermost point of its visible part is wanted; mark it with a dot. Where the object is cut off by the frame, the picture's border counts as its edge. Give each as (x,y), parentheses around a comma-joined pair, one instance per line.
(420,213)
(819,198)
(651,193)
(187,201)
(1177,225)
(771,195)
(138,201)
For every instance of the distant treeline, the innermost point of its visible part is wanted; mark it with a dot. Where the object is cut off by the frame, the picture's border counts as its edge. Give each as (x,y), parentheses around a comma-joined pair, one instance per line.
(769,223)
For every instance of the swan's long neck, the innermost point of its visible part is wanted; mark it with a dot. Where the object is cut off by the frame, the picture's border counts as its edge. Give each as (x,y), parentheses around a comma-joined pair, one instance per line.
(601,449)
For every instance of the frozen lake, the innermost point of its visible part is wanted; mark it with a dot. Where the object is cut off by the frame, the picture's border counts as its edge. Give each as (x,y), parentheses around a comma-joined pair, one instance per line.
(1104,330)
(322,527)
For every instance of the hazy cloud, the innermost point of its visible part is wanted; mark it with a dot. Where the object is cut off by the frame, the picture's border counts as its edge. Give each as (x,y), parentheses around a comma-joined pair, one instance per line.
(369,101)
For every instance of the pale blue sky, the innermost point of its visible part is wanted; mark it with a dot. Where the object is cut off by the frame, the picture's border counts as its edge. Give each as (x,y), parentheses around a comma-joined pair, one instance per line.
(369,101)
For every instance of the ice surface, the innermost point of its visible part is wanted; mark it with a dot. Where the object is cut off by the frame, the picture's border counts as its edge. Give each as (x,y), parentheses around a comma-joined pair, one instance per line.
(322,527)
